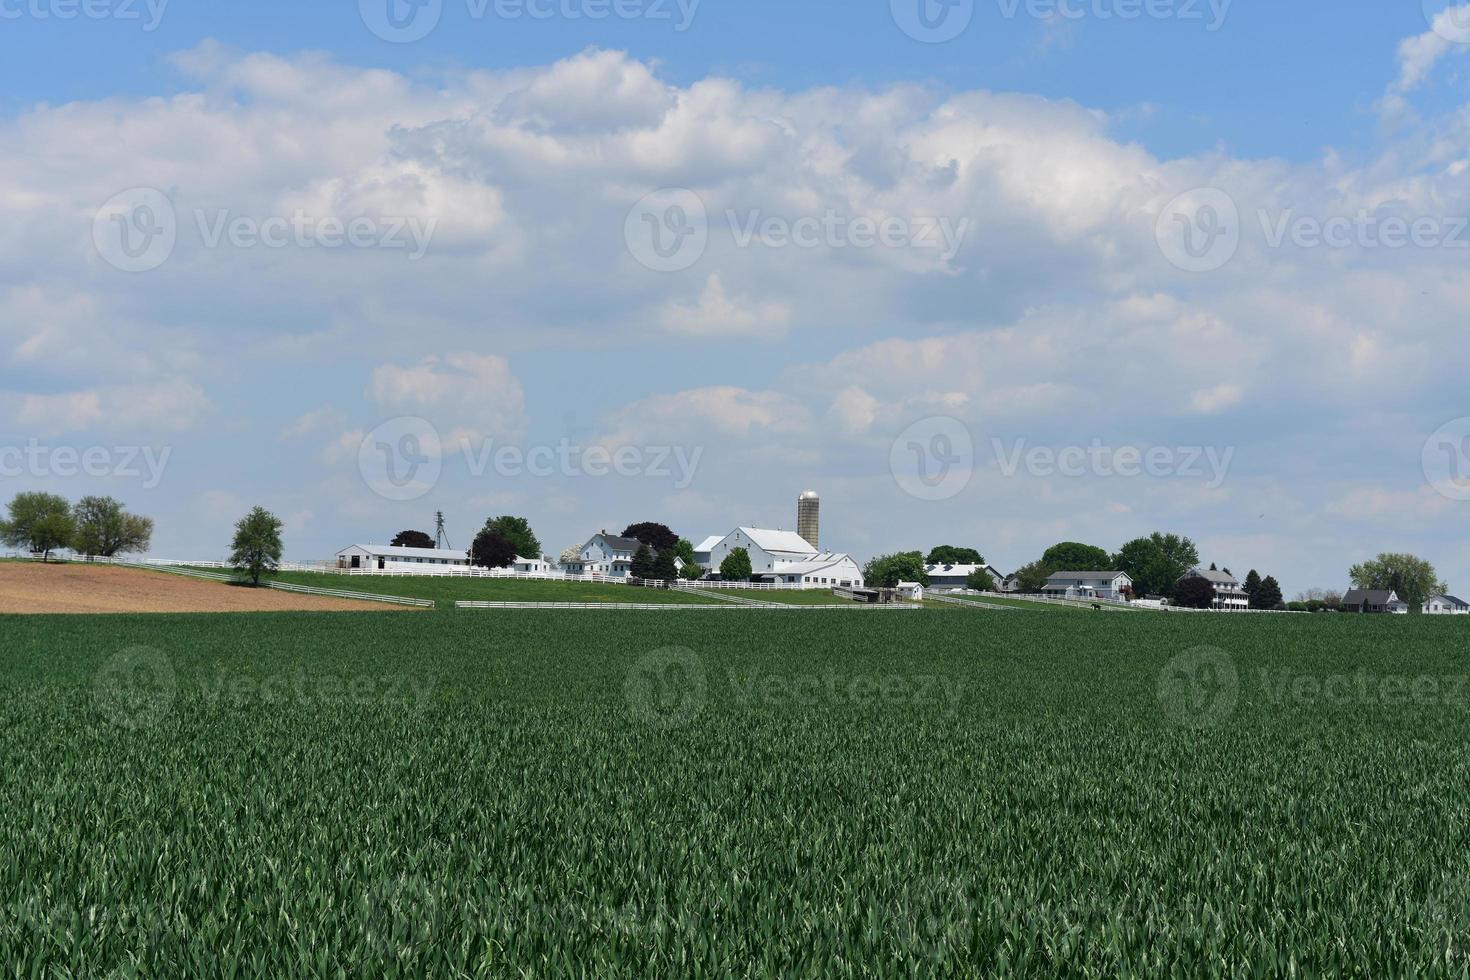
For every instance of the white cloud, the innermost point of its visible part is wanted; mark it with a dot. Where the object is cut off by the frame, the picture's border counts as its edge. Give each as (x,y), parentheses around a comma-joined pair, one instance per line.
(716,315)
(1221,398)
(469,393)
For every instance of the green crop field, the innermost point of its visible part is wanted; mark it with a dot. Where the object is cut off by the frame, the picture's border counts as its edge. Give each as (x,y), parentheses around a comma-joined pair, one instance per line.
(637,794)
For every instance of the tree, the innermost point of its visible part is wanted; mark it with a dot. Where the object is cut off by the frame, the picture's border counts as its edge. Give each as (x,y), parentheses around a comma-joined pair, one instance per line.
(948,554)
(980,581)
(572,554)
(736,566)
(1070,556)
(256,550)
(39,522)
(1194,592)
(1251,586)
(1156,563)
(516,530)
(643,562)
(1268,596)
(685,550)
(1414,579)
(665,567)
(886,571)
(1032,577)
(105,529)
(491,549)
(412,539)
(656,536)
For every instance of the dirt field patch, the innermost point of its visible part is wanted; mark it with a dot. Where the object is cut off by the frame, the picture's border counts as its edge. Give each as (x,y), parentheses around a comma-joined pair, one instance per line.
(29,587)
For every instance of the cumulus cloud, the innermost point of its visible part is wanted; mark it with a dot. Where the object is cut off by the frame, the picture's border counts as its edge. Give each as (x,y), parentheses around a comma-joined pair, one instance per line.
(716,314)
(475,394)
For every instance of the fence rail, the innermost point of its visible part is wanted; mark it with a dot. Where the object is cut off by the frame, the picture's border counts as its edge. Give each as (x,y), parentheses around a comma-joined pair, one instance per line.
(286,587)
(672,606)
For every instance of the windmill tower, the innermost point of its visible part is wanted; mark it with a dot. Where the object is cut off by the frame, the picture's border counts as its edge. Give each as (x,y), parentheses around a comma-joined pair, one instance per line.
(441,538)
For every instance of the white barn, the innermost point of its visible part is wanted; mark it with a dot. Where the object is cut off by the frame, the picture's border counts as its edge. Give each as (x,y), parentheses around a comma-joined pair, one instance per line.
(787,558)
(418,561)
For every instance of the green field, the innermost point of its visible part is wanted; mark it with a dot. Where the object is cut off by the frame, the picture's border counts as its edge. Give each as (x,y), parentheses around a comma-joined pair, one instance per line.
(633,794)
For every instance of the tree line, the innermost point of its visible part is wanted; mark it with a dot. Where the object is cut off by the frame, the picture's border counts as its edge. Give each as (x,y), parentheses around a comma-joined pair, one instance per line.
(43,523)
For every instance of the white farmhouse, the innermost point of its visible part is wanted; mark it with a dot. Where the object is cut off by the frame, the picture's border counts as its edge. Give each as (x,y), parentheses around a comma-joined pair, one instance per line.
(944,577)
(1446,605)
(1229,596)
(786,557)
(604,554)
(1088,585)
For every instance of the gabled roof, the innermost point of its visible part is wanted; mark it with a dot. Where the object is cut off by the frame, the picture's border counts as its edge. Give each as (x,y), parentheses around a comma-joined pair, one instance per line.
(1213,576)
(777,542)
(1373,597)
(1064,575)
(391,551)
(1451,600)
(709,542)
(617,543)
(811,565)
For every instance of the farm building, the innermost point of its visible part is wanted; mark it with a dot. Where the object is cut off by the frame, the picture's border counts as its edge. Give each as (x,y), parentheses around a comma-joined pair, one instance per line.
(1374,601)
(1229,596)
(1446,605)
(1088,585)
(786,557)
(604,554)
(942,577)
(426,561)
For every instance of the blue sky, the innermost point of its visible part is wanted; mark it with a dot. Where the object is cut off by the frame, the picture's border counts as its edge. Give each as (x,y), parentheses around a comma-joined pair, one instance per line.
(1052,147)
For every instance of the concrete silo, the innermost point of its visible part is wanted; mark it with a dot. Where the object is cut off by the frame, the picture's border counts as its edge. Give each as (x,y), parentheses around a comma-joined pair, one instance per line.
(808,517)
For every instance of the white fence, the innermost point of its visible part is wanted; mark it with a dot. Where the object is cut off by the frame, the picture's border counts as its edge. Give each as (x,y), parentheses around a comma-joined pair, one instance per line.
(674,606)
(178,569)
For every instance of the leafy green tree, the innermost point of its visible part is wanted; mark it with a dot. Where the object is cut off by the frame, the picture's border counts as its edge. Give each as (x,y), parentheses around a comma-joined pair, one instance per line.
(256,550)
(1268,596)
(516,530)
(980,581)
(491,549)
(412,539)
(665,568)
(104,529)
(1071,556)
(1032,577)
(1157,563)
(947,554)
(39,522)
(656,536)
(736,566)
(643,562)
(691,571)
(1194,592)
(1414,579)
(886,571)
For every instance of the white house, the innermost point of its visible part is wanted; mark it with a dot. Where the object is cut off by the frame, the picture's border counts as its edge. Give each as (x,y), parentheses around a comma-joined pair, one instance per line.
(943,577)
(1229,596)
(911,591)
(604,554)
(1088,585)
(786,557)
(1446,605)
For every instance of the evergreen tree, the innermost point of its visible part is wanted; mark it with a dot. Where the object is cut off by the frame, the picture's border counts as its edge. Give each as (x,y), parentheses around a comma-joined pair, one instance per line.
(1268,596)
(643,562)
